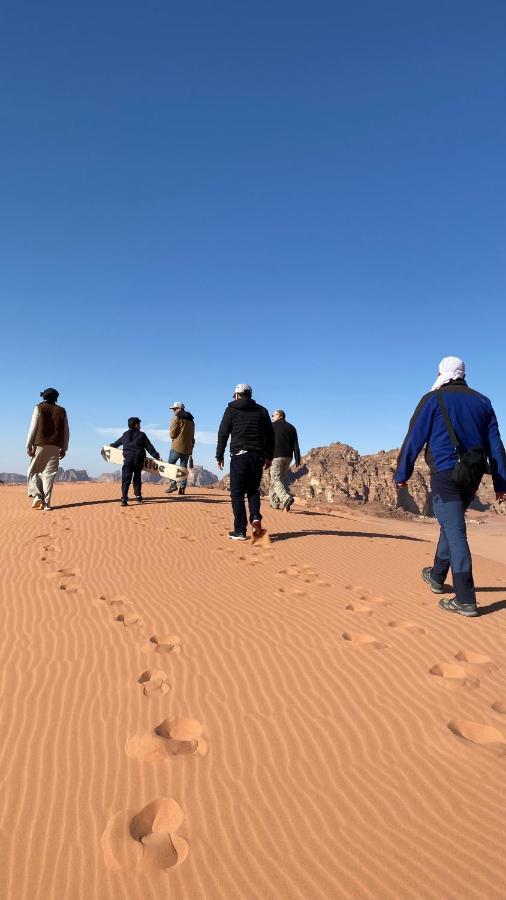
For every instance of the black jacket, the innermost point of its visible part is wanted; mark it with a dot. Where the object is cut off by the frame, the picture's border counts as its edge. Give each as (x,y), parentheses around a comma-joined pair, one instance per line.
(135,442)
(249,427)
(286,442)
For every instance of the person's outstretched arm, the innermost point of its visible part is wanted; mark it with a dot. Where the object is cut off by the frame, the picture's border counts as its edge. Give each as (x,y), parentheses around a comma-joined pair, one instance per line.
(151,450)
(418,435)
(174,427)
(223,436)
(66,436)
(269,439)
(497,457)
(32,431)
(296,448)
(117,443)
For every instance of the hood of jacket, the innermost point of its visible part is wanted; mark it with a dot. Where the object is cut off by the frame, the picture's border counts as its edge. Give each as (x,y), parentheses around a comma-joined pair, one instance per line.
(243,403)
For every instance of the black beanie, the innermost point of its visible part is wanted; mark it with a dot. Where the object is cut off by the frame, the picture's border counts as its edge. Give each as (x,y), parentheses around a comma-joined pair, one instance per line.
(50,395)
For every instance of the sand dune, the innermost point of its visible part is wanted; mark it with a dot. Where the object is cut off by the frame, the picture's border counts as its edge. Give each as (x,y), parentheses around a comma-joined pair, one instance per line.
(294,719)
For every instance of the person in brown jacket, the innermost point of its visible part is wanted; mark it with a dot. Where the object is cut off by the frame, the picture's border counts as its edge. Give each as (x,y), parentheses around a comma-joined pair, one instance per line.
(47,442)
(182,434)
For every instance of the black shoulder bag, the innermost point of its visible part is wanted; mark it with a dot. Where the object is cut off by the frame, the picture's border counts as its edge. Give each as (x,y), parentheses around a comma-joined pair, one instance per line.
(471,464)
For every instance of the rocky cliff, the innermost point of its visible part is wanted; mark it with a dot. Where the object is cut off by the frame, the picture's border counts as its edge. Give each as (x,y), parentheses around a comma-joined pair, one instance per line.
(72,475)
(339,474)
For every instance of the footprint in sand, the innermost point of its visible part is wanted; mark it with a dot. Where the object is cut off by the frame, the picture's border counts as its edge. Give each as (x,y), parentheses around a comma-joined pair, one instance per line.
(167,643)
(125,612)
(129,619)
(411,627)
(477,663)
(475,732)
(154,682)
(146,840)
(454,676)
(365,640)
(361,608)
(172,738)
(499,706)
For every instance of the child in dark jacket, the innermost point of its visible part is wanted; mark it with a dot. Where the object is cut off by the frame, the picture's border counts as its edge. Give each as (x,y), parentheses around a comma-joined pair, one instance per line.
(135,444)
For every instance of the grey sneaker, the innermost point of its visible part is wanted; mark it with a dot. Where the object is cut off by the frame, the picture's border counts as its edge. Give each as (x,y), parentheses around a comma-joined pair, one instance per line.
(464,609)
(435,586)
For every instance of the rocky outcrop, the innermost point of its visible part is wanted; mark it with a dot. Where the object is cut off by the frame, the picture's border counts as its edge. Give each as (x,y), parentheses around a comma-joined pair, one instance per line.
(12,478)
(197,477)
(339,474)
(200,477)
(72,475)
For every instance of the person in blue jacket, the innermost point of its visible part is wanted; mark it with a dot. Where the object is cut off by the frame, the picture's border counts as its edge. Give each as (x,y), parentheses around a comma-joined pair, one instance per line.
(135,444)
(475,425)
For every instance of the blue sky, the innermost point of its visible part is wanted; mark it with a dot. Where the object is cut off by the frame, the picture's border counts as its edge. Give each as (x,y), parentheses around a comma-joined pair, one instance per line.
(308,197)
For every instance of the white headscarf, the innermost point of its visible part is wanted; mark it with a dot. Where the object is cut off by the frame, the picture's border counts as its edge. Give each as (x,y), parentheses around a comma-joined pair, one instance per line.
(450,368)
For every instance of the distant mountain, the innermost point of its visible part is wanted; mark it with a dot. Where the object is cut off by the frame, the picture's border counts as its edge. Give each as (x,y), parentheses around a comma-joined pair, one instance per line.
(339,474)
(197,477)
(72,475)
(12,478)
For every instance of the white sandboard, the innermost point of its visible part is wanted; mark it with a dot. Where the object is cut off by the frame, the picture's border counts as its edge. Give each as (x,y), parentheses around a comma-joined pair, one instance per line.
(165,470)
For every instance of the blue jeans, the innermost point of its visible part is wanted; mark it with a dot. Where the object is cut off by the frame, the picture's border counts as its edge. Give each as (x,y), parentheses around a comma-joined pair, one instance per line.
(450,503)
(182,459)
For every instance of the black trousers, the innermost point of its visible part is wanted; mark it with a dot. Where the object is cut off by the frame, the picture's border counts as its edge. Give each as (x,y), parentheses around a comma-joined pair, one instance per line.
(245,477)
(132,469)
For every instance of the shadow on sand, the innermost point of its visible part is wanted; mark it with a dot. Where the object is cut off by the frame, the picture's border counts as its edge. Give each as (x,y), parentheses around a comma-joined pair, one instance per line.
(147,501)
(287,535)
(493,608)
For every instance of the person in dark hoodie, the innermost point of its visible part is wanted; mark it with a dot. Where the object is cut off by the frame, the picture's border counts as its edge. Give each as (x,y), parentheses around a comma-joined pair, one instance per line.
(135,444)
(252,449)
(182,434)
(459,429)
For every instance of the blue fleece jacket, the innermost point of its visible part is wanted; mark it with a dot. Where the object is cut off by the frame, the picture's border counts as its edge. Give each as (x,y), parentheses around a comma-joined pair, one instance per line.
(475,425)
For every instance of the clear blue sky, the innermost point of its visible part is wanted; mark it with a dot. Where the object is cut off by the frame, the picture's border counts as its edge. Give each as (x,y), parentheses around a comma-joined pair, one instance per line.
(309,197)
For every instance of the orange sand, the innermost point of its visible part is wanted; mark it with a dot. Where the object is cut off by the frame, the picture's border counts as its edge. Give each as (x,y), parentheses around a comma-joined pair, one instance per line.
(320,728)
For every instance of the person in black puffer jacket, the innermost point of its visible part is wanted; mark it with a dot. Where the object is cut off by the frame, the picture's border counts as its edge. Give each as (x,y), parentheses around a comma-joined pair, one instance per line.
(251,448)
(135,444)
(286,447)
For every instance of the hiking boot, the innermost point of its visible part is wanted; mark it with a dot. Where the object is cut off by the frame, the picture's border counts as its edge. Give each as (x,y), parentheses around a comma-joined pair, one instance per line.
(171,488)
(258,531)
(464,609)
(181,491)
(288,504)
(237,536)
(123,502)
(139,499)
(435,586)
(38,503)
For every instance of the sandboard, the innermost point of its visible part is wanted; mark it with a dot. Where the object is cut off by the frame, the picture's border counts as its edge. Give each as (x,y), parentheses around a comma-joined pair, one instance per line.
(165,470)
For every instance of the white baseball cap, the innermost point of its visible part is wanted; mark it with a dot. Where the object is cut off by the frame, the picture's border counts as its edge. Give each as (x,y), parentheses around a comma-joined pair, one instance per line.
(177,405)
(243,389)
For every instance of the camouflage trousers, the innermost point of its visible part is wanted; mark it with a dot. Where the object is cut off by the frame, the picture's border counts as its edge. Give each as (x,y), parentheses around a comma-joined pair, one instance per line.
(278,494)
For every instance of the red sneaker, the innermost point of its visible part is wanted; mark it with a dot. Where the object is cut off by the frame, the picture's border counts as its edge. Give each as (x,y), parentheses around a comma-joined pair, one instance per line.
(258,531)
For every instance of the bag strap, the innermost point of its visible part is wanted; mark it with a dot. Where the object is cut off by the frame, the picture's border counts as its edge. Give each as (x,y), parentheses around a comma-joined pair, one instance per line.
(446,418)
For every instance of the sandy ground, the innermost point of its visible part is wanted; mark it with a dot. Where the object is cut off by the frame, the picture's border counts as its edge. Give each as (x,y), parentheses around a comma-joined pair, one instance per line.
(347,739)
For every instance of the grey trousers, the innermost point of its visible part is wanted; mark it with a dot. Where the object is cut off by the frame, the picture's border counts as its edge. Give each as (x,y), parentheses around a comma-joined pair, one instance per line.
(277,491)
(42,472)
